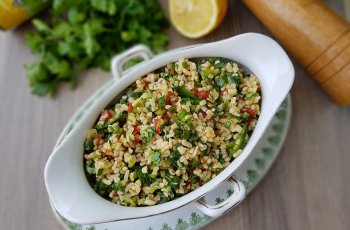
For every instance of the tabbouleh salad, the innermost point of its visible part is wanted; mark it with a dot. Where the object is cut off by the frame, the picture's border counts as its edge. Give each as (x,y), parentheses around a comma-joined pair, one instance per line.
(174,130)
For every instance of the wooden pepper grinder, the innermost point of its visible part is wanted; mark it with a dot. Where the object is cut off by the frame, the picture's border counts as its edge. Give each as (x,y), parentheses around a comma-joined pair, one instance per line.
(316,36)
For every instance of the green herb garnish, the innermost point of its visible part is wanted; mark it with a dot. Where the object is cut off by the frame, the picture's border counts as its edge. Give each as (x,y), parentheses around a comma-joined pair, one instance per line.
(195,179)
(185,65)
(174,157)
(99,172)
(135,95)
(162,101)
(118,186)
(182,114)
(172,180)
(144,177)
(89,145)
(83,34)
(89,170)
(206,73)
(235,78)
(245,116)
(251,95)
(155,157)
(148,134)
(219,83)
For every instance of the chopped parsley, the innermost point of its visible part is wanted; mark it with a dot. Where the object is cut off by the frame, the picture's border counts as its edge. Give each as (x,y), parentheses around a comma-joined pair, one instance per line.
(148,134)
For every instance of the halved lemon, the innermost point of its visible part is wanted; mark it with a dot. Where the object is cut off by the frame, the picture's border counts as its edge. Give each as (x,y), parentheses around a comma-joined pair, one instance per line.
(11,14)
(196,18)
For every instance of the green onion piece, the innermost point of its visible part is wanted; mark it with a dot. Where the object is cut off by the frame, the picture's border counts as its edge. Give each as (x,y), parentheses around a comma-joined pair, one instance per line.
(251,95)
(182,114)
(183,92)
(239,143)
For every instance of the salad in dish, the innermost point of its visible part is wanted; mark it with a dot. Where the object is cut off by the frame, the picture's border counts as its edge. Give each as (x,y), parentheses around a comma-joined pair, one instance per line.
(173,130)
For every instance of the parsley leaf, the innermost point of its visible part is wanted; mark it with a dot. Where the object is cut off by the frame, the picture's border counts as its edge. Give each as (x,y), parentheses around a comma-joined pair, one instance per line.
(162,101)
(148,134)
(145,178)
(173,180)
(233,79)
(219,83)
(155,157)
(174,157)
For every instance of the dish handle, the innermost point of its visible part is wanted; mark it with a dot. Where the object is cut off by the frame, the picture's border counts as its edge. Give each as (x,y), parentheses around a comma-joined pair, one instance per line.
(119,61)
(238,195)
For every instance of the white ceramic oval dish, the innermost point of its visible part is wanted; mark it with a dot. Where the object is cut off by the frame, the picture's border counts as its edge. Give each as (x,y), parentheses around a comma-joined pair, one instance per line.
(65,180)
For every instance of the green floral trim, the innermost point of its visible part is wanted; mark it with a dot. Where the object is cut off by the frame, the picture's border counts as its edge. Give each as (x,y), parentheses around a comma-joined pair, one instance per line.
(219,200)
(73,226)
(268,151)
(181,224)
(166,227)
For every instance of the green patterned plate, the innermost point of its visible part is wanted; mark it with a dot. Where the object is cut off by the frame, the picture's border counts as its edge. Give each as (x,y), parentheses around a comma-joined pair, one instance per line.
(188,217)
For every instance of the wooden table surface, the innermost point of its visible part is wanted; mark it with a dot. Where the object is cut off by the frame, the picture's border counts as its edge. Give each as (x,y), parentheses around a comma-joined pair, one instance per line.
(307,188)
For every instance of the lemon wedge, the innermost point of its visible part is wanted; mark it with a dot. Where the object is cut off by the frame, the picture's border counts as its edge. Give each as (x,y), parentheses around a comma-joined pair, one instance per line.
(11,14)
(196,18)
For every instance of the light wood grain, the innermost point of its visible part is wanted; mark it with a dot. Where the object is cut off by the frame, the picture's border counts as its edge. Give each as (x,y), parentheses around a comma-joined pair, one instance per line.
(307,188)
(315,35)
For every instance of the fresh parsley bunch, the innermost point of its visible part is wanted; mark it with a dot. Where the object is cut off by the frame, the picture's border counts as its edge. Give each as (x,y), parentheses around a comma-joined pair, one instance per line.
(87,33)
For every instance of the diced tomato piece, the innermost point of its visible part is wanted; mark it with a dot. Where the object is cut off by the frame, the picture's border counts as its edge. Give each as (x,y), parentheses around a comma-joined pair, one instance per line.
(168,97)
(203,114)
(202,94)
(131,108)
(109,157)
(157,123)
(137,139)
(98,140)
(252,112)
(136,129)
(166,116)
(204,160)
(106,115)
(144,83)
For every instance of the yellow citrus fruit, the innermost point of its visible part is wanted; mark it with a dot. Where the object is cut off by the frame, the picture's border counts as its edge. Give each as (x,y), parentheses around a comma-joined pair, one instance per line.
(196,18)
(11,15)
